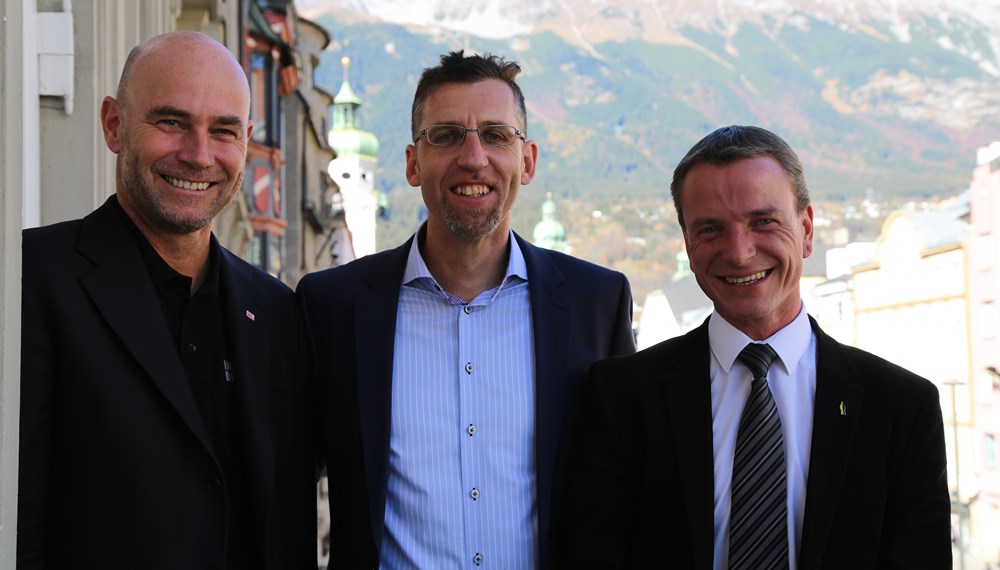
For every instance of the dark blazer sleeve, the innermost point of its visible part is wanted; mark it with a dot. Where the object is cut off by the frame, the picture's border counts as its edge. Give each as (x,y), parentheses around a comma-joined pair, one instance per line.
(37,384)
(916,527)
(622,336)
(601,513)
(640,484)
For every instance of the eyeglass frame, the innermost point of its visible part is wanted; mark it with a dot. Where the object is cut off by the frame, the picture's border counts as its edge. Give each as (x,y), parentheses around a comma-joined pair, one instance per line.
(465,131)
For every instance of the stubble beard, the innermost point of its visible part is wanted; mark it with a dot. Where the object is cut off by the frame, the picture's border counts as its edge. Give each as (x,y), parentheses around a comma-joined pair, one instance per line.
(475,224)
(156,210)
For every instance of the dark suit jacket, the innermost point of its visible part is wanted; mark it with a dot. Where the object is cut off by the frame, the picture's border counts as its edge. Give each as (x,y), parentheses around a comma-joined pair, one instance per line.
(116,466)
(641,491)
(580,312)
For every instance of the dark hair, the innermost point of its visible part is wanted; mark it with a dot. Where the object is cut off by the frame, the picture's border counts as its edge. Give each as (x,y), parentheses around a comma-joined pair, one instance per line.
(457,68)
(734,143)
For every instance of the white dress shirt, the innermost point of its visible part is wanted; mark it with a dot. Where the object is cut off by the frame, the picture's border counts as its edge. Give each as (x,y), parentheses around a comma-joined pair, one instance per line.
(461,478)
(792,380)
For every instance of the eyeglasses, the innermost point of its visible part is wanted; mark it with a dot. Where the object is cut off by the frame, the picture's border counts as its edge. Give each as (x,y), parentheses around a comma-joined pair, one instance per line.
(454,135)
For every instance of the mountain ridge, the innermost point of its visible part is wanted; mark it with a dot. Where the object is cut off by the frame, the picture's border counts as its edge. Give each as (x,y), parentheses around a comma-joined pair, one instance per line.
(881,102)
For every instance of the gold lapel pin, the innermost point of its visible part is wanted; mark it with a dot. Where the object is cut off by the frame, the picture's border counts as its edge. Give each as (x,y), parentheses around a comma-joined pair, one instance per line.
(843,408)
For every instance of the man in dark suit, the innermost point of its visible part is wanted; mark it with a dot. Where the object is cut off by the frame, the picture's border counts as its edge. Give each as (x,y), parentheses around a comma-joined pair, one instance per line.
(856,443)
(449,366)
(165,417)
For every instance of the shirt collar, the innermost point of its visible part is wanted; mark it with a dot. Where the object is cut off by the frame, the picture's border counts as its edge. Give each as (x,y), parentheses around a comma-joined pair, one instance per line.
(789,342)
(160,272)
(416,269)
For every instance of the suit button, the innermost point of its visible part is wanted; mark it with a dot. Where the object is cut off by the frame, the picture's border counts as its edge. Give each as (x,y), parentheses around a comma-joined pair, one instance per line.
(192,348)
(214,484)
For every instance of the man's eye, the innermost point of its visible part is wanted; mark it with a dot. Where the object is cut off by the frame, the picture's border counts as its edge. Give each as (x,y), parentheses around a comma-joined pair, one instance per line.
(226,132)
(493,136)
(444,136)
(170,122)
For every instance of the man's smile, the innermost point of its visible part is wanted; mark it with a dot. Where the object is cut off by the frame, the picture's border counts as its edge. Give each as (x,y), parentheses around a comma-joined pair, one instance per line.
(471,190)
(185,184)
(749,279)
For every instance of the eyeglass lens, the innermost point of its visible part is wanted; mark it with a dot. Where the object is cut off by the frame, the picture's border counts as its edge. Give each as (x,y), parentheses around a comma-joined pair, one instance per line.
(452,135)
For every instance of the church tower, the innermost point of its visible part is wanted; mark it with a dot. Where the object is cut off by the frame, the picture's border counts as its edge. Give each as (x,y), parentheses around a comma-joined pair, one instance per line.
(354,167)
(549,233)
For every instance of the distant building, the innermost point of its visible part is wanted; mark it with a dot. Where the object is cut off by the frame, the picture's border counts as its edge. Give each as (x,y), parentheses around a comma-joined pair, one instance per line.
(831,301)
(549,233)
(287,156)
(912,308)
(306,172)
(675,309)
(354,172)
(984,314)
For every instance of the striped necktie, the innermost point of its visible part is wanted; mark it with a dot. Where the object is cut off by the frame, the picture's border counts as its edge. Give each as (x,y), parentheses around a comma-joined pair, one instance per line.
(758,521)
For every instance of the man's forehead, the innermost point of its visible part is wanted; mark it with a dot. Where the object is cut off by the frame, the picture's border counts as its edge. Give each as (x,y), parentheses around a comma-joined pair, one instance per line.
(490,95)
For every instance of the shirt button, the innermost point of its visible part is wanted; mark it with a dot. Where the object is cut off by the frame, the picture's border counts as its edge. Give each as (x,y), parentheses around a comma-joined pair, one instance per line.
(468,368)
(192,348)
(478,559)
(474,494)
(214,484)
(472,429)
(467,309)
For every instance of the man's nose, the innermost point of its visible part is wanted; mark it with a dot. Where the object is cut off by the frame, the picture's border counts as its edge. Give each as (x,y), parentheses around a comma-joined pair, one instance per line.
(472,152)
(196,149)
(742,246)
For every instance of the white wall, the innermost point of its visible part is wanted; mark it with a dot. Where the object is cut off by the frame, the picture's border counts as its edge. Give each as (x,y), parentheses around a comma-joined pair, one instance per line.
(12,18)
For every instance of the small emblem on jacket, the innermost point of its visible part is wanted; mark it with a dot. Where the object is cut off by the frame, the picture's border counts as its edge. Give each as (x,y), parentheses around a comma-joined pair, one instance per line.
(843,409)
(250,316)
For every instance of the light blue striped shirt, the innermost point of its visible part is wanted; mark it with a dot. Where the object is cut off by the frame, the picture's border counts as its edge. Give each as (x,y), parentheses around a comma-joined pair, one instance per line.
(461,483)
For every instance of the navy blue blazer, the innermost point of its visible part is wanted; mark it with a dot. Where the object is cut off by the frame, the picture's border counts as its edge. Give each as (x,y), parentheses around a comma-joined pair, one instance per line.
(642,481)
(581,313)
(116,466)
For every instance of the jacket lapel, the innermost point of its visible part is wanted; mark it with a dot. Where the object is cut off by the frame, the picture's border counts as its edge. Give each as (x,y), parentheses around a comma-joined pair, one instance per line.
(123,294)
(688,393)
(832,440)
(247,318)
(552,318)
(375,333)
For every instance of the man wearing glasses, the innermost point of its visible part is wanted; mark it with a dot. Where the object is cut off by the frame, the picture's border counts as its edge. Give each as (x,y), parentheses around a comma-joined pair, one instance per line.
(448,367)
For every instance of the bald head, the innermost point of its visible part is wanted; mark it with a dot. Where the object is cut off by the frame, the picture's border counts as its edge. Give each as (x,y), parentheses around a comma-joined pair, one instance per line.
(184,52)
(180,125)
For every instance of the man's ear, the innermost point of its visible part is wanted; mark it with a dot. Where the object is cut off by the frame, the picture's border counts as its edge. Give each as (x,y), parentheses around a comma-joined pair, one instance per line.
(412,168)
(530,160)
(112,116)
(807,231)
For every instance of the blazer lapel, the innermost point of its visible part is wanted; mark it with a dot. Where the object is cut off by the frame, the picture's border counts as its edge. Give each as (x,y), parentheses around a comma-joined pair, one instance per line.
(120,288)
(552,318)
(375,333)
(837,409)
(247,318)
(688,393)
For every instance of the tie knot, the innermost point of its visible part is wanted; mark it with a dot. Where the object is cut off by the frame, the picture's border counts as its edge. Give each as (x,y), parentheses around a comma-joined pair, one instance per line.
(758,358)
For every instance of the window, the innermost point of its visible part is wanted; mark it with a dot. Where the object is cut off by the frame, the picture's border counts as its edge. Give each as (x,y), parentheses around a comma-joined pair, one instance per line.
(265,253)
(991,451)
(264,101)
